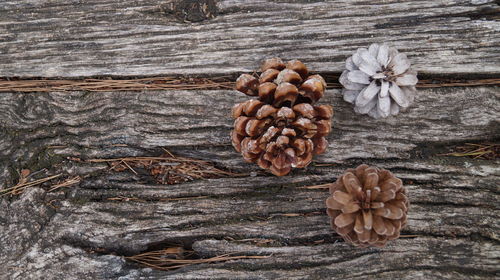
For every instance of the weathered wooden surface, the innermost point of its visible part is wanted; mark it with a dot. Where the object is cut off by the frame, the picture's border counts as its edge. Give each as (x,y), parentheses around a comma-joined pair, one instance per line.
(150,37)
(79,233)
(453,218)
(184,118)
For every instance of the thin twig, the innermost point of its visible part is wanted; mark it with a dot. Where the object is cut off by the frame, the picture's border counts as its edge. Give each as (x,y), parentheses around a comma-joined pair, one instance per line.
(19,188)
(183,198)
(97,85)
(324,164)
(160,260)
(168,168)
(181,83)
(143,158)
(124,198)
(66,183)
(168,152)
(129,167)
(316,187)
(484,151)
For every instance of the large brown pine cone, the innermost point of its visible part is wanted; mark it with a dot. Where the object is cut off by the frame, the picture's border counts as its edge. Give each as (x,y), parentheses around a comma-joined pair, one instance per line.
(283,84)
(367,206)
(280,138)
(282,129)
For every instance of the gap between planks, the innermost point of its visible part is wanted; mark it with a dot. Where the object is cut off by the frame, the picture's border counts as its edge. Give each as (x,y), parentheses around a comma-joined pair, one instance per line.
(189,83)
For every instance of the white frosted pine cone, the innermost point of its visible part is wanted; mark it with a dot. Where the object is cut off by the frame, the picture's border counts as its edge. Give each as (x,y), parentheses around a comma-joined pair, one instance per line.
(379,81)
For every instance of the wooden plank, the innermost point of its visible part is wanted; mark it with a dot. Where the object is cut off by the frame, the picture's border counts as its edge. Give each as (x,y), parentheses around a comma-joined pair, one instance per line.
(114,37)
(419,258)
(453,217)
(455,225)
(31,122)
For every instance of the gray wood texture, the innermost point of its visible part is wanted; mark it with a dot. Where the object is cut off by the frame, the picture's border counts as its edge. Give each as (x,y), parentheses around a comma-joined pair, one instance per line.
(149,37)
(453,221)
(80,232)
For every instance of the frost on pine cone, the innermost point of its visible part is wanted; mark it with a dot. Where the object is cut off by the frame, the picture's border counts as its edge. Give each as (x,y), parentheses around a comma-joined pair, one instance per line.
(282,129)
(379,81)
(367,206)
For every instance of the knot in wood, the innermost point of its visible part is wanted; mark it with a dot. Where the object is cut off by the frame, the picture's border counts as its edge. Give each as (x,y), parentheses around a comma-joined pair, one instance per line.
(191,10)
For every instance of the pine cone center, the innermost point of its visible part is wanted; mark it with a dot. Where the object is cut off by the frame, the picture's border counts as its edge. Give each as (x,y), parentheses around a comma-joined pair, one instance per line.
(385,74)
(366,200)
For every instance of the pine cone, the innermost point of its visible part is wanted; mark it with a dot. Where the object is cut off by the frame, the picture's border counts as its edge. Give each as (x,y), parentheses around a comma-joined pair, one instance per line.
(282,129)
(280,138)
(283,84)
(367,206)
(379,81)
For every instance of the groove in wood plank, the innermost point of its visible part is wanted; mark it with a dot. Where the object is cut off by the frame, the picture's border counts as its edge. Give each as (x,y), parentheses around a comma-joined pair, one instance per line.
(184,83)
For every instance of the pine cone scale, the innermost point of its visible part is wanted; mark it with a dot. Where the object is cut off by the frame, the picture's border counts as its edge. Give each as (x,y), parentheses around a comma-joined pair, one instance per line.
(344,219)
(350,183)
(320,145)
(240,125)
(247,84)
(350,207)
(367,220)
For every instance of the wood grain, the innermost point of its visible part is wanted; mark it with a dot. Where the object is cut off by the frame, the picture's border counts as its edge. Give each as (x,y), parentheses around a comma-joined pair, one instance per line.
(148,37)
(85,230)
(32,122)
(453,219)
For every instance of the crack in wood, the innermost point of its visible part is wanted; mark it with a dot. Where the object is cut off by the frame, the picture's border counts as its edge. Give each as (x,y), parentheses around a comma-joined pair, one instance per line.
(107,84)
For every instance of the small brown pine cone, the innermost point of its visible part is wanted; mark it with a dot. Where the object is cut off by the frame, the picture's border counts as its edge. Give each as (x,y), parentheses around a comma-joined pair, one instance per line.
(283,84)
(279,139)
(368,206)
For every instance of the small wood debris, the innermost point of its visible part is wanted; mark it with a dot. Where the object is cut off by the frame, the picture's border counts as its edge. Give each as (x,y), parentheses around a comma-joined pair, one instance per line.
(256,241)
(104,84)
(26,180)
(183,83)
(489,151)
(314,213)
(25,183)
(168,169)
(316,187)
(66,183)
(124,198)
(177,257)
